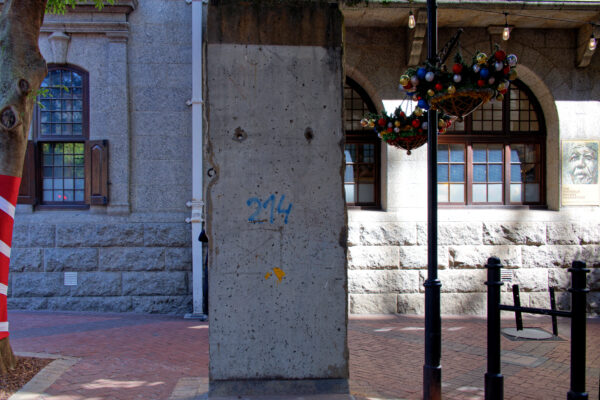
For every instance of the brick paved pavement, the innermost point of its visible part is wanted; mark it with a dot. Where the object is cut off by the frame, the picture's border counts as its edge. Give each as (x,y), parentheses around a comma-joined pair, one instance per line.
(125,356)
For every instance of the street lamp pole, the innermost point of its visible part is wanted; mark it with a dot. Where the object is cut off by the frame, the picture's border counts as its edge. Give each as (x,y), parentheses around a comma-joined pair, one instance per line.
(432,370)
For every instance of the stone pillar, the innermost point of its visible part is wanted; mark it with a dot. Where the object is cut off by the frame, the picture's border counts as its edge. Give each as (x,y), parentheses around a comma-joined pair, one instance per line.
(276,217)
(116,128)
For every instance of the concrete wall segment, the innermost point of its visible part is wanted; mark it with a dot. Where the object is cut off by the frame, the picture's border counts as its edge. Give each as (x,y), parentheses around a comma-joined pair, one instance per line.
(294,150)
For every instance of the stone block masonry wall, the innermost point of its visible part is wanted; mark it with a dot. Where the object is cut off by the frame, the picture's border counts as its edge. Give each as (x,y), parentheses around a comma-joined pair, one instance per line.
(125,266)
(387,263)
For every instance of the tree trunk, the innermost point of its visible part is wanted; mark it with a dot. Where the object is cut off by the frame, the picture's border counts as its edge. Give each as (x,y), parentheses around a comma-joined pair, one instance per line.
(22,70)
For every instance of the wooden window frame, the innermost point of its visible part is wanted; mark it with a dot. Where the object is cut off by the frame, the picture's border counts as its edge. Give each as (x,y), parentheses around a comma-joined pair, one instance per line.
(506,138)
(365,136)
(95,158)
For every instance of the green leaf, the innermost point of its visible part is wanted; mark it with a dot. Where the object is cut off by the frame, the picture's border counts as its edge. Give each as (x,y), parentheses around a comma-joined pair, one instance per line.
(60,6)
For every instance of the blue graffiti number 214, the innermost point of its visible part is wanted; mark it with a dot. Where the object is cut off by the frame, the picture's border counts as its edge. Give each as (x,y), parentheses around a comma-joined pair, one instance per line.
(268,204)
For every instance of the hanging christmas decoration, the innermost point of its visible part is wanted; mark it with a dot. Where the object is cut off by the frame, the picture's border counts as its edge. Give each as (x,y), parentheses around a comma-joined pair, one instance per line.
(404,131)
(462,88)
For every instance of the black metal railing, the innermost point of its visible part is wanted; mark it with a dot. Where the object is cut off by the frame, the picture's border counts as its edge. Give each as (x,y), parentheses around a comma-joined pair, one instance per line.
(494,381)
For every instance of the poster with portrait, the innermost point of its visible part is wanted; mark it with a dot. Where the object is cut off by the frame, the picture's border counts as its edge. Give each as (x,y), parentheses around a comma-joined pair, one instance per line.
(579,165)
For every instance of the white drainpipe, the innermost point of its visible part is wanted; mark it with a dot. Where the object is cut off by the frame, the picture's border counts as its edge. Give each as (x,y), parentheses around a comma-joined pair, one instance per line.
(197,203)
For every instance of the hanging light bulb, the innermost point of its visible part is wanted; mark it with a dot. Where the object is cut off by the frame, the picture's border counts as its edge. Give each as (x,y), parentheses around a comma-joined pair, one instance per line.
(506,30)
(411,20)
(592,43)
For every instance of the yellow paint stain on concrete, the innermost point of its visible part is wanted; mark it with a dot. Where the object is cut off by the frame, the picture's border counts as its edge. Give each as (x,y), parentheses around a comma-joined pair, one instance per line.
(279,273)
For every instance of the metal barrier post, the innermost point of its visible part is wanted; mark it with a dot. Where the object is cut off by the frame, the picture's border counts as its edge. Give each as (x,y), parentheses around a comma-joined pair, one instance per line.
(517,303)
(578,341)
(494,381)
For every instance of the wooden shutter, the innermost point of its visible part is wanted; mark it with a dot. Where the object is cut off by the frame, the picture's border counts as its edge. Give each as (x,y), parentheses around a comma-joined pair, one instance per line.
(27,188)
(96,174)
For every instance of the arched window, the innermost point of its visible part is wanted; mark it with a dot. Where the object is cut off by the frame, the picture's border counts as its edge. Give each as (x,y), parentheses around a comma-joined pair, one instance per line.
(496,155)
(63,168)
(362,151)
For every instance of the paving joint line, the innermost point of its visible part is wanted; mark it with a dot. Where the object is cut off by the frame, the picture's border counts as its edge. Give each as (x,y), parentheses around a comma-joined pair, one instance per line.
(45,377)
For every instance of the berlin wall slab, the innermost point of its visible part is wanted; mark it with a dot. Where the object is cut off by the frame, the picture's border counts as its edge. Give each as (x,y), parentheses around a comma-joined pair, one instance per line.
(276,217)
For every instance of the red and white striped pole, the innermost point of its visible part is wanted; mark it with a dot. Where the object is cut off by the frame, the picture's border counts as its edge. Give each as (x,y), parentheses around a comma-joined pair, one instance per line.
(9,191)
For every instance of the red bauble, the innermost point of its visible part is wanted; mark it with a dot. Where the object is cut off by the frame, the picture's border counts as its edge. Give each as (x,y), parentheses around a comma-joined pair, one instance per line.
(438,87)
(408,86)
(481,83)
(402,114)
(503,91)
(506,70)
(420,130)
(390,130)
(457,68)
(500,55)
(416,123)
(381,122)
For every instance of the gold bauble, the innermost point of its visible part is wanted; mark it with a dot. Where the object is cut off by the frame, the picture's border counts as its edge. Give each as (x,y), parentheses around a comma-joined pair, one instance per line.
(481,58)
(404,79)
(451,89)
(418,112)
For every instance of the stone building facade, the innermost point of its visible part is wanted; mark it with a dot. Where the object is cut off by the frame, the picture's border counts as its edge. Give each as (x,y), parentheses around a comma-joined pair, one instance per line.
(134,253)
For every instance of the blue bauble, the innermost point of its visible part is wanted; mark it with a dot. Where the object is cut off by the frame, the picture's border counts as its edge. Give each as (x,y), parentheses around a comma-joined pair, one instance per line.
(484,73)
(423,104)
(421,72)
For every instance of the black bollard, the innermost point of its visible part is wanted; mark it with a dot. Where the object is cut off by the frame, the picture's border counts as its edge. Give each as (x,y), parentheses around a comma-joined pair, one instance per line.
(578,320)
(494,381)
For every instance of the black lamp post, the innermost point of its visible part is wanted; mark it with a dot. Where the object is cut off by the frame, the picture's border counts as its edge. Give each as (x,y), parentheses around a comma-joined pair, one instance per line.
(432,370)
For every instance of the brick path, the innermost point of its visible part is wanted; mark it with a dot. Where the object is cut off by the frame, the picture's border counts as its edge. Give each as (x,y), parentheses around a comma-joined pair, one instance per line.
(125,356)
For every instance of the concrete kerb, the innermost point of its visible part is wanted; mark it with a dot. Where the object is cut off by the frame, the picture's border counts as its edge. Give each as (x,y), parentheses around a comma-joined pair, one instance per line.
(46,377)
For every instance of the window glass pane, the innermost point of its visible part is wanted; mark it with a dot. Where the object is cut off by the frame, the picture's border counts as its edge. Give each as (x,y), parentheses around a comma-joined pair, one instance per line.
(495,171)
(530,173)
(366,173)
(79,172)
(457,153)
(58,195)
(47,172)
(532,193)
(77,79)
(350,193)
(515,193)
(442,153)
(515,173)
(79,183)
(443,192)
(78,148)
(479,153)
(68,195)
(47,195)
(366,193)
(349,153)
(479,173)
(79,195)
(479,193)
(366,153)
(45,117)
(68,183)
(442,170)
(495,153)
(47,183)
(58,183)
(457,173)
(495,193)
(517,153)
(68,172)
(457,193)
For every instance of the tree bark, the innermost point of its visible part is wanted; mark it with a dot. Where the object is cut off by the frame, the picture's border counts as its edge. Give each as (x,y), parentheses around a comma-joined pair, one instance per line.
(22,70)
